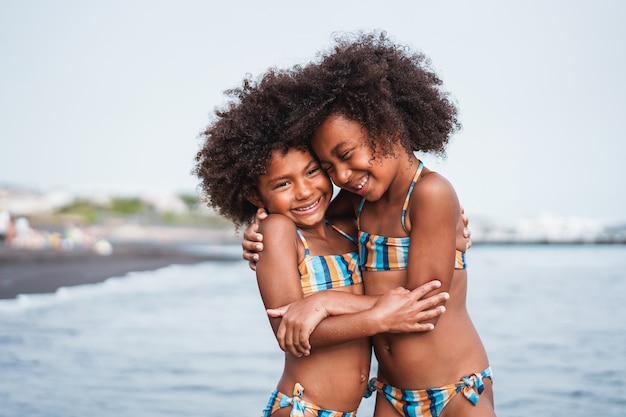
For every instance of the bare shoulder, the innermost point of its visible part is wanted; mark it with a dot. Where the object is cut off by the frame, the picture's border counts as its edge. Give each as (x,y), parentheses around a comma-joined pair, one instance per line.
(434,185)
(280,236)
(277,224)
(435,195)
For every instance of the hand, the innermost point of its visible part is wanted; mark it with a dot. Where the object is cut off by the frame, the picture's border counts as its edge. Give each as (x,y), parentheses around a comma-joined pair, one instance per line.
(252,240)
(299,319)
(403,311)
(463,241)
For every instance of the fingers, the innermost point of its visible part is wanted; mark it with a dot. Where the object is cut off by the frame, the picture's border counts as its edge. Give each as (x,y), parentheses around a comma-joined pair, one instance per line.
(251,237)
(296,342)
(287,334)
(464,217)
(252,240)
(280,337)
(467,233)
(252,245)
(426,327)
(304,346)
(251,249)
(292,342)
(424,289)
(426,315)
(251,232)
(277,312)
(261,214)
(301,343)
(250,256)
(252,265)
(435,300)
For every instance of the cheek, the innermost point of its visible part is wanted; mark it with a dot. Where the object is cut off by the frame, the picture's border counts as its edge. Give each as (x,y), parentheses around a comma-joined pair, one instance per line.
(323,184)
(334,179)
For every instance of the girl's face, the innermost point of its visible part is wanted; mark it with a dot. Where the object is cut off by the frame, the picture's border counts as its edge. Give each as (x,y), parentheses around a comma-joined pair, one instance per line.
(346,156)
(295,186)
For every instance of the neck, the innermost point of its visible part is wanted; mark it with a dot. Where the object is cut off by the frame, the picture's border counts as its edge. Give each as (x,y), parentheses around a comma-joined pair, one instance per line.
(318,229)
(406,167)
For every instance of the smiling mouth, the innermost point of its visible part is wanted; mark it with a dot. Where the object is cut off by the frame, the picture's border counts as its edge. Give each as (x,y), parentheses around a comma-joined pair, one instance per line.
(310,207)
(361,183)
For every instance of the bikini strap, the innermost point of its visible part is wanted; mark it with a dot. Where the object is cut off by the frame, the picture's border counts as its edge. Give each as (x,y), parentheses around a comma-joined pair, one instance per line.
(344,234)
(408,194)
(358,213)
(307,253)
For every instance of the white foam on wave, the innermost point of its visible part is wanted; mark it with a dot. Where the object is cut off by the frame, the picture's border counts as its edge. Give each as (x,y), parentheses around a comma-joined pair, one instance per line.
(163,280)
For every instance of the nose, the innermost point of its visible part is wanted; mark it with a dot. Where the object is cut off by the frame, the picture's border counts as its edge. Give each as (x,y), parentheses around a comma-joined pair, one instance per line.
(303,190)
(342,176)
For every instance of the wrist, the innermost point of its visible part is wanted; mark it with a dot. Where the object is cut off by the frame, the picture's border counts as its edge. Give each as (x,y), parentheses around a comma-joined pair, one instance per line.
(376,321)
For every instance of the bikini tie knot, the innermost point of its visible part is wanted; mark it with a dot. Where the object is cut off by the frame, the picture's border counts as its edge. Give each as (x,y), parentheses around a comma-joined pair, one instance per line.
(473,386)
(296,403)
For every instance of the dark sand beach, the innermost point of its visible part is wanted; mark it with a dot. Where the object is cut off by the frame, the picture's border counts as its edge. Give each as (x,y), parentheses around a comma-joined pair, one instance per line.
(28,271)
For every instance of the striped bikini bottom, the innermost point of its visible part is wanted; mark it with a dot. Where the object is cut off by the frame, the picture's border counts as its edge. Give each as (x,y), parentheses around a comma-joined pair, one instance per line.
(429,402)
(298,406)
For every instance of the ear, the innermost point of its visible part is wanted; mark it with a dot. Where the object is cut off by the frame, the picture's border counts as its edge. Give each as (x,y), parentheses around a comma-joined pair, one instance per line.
(256,201)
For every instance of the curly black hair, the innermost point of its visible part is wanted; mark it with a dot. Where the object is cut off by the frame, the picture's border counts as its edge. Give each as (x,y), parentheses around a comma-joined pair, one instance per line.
(365,77)
(386,87)
(238,144)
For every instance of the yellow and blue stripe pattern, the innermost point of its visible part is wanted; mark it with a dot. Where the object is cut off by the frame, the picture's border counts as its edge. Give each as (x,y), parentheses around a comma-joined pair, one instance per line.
(381,253)
(430,402)
(324,272)
(298,406)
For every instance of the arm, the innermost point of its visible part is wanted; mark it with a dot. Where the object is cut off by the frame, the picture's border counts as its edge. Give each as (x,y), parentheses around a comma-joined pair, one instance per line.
(307,323)
(434,217)
(277,269)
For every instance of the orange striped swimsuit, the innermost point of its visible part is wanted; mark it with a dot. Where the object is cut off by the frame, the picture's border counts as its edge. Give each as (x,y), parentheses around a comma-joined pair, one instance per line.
(430,402)
(323,272)
(318,273)
(381,253)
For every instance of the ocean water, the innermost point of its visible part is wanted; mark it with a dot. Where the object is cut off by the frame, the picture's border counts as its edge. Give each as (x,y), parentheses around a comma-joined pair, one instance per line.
(194,341)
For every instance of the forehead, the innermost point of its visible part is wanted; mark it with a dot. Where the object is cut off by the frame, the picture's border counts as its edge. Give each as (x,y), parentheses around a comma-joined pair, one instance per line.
(282,162)
(336,131)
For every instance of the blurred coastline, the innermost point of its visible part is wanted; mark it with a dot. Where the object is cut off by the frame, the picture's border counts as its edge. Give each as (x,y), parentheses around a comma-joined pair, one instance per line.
(50,239)
(139,217)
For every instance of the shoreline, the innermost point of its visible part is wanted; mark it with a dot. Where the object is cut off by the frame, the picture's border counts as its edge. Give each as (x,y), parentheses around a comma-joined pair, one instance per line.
(44,270)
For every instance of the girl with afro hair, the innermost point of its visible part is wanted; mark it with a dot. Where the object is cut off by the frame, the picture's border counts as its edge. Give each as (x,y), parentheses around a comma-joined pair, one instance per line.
(371,104)
(250,160)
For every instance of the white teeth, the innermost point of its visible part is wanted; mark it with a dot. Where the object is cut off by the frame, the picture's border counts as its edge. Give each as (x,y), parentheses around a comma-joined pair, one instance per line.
(362,184)
(308,207)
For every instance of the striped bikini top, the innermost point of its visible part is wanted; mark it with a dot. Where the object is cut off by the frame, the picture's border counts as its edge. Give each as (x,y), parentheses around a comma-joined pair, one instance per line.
(323,272)
(381,253)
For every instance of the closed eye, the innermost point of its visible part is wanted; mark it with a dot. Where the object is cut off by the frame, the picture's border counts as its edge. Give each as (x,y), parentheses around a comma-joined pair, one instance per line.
(281,184)
(313,170)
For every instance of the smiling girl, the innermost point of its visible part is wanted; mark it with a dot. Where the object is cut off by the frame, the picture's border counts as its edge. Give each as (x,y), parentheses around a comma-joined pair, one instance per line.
(370,106)
(249,160)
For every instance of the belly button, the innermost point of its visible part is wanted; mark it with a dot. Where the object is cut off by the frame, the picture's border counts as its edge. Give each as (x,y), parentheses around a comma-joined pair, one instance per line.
(363,378)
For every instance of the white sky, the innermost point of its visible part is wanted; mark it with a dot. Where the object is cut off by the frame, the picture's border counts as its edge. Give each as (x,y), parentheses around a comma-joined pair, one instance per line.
(111,95)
